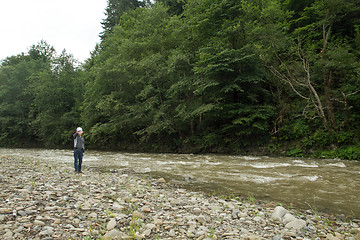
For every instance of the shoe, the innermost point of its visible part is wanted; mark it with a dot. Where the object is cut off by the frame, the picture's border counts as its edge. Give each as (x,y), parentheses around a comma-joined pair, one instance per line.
(80,172)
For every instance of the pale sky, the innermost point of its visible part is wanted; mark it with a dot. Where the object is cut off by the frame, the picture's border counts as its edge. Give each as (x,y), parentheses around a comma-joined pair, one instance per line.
(73,25)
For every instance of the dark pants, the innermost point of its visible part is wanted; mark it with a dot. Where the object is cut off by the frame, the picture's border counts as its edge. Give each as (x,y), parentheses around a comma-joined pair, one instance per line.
(78,157)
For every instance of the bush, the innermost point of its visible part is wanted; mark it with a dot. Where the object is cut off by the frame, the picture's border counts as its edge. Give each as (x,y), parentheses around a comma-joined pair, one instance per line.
(294,130)
(323,138)
(301,129)
(324,154)
(345,137)
(346,152)
(307,142)
(295,153)
(349,152)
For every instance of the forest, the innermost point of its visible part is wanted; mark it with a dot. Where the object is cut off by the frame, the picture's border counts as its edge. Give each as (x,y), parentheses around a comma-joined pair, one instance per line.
(197,76)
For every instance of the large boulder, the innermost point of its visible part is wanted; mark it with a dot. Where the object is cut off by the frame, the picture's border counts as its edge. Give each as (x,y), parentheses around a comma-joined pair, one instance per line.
(297,224)
(278,213)
(288,218)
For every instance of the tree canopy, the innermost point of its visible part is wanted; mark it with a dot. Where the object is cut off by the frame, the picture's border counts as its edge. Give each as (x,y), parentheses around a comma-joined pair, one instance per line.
(221,76)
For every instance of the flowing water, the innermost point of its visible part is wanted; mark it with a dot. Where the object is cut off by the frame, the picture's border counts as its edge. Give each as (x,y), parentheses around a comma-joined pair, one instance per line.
(331,186)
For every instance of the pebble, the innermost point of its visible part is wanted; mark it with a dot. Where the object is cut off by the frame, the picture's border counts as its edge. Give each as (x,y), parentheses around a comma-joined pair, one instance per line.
(111,225)
(150,226)
(357,237)
(197,210)
(158,221)
(161,180)
(38,222)
(146,209)
(172,233)
(147,232)
(114,234)
(8,234)
(277,237)
(47,231)
(331,237)
(137,214)
(59,204)
(257,219)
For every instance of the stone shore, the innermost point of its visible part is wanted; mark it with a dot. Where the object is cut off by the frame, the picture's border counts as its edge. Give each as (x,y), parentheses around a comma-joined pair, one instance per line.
(48,200)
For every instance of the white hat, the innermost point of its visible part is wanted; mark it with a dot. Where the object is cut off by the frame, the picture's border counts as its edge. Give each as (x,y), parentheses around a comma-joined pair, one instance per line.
(79,129)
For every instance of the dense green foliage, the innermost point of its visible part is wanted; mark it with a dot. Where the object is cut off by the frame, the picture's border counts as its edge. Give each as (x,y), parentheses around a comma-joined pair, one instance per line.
(38,97)
(198,76)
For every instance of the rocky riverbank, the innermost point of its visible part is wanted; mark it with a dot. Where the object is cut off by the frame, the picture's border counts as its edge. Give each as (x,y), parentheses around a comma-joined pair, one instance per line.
(47,200)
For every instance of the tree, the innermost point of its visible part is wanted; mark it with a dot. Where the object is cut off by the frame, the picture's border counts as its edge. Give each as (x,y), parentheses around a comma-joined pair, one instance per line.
(318,55)
(197,75)
(229,77)
(176,7)
(15,100)
(55,96)
(114,10)
(128,94)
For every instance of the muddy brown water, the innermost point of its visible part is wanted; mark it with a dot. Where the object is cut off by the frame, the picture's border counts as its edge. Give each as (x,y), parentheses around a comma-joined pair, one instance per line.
(331,186)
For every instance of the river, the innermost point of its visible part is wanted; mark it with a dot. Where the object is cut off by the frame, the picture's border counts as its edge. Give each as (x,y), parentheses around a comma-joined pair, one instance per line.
(331,186)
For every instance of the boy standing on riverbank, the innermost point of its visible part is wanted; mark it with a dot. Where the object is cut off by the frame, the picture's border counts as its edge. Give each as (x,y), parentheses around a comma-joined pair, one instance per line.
(79,149)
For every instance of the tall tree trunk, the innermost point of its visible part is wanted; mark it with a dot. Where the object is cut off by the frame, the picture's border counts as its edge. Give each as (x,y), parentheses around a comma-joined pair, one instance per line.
(202,102)
(192,127)
(328,98)
(347,109)
(318,104)
(327,76)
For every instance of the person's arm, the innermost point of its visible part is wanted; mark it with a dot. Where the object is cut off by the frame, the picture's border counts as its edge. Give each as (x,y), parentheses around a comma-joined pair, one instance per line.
(75,135)
(82,143)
